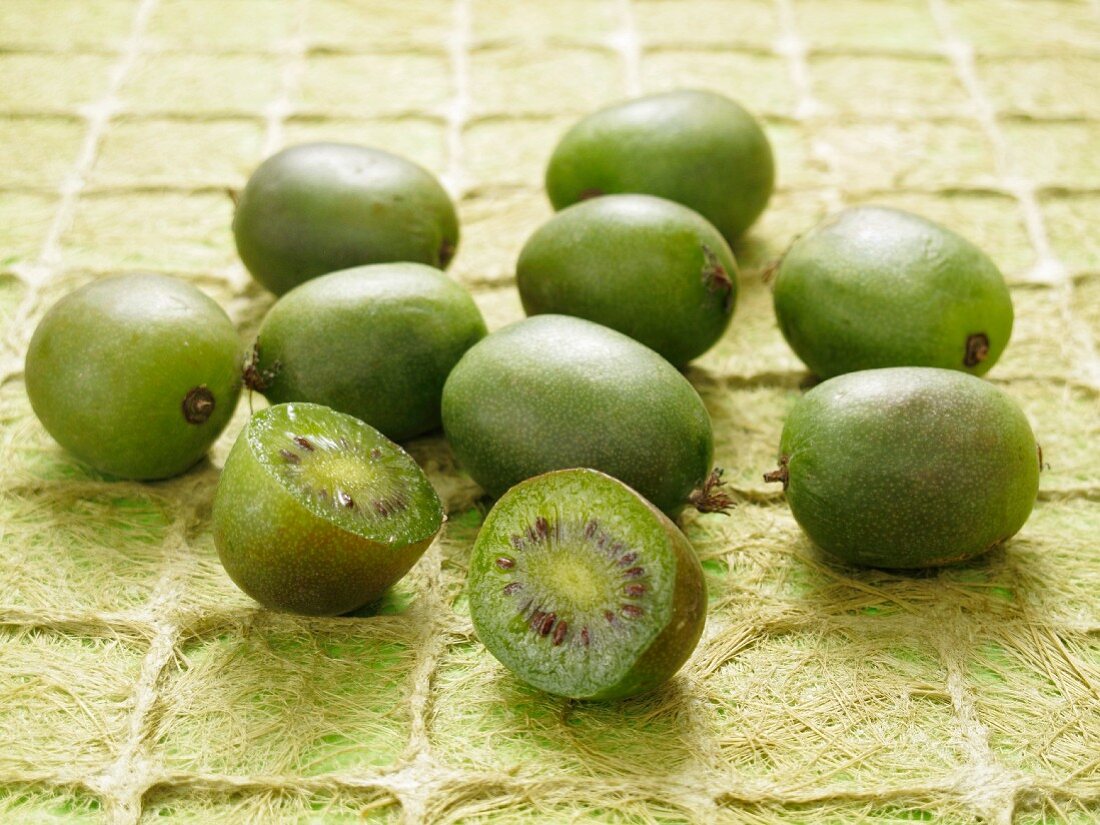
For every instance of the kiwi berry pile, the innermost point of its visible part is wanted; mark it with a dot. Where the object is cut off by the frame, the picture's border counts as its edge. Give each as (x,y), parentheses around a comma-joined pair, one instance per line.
(577,419)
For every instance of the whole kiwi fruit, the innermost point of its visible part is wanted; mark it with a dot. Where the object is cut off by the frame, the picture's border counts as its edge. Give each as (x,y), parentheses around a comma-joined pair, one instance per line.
(908,466)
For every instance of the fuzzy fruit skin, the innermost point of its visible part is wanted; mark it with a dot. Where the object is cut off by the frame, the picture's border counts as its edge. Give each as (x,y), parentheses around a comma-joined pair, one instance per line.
(647,267)
(111,364)
(376,342)
(288,557)
(909,466)
(322,207)
(876,287)
(697,148)
(589,494)
(553,392)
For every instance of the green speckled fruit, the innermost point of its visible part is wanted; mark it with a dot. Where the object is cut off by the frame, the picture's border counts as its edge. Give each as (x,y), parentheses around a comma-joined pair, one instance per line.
(321,207)
(584,589)
(318,513)
(875,287)
(135,375)
(376,342)
(647,267)
(908,467)
(693,147)
(553,392)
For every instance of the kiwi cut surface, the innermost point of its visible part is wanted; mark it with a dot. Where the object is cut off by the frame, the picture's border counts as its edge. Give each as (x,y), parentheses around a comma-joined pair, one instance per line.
(584,589)
(318,513)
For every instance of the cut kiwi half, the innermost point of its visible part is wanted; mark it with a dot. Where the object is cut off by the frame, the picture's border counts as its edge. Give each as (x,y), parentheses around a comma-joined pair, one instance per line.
(318,513)
(584,589)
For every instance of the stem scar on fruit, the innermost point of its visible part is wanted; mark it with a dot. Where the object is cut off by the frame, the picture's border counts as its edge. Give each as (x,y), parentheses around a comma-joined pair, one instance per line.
(198,404)
(977,348)
(254,378)
(780,474)
(716,279)
(711,497)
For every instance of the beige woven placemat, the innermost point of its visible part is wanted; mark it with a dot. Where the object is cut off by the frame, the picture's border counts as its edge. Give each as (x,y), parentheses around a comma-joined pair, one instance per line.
(136,683)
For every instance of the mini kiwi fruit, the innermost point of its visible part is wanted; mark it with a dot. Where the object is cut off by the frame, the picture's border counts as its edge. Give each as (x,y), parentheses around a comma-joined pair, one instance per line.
(553,392)
(876,287)
(647,267)
(908,467)
(376,342)
(318,513)
(584,589)
(698,148)
(135,374)
(322,207)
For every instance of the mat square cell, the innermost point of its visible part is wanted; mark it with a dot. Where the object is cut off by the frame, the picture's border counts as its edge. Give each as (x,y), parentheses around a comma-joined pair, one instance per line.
(36,83)
(372,85)
(46,149)
(67,550)
(879,156)
(1071,221)
(208,84)
(511,151)
(1026,27)
(542,24)
(853,708)
(748,24)
(868,26)
(65,700)
(383,25)
(1034,690)
(494,228)
(220,25)
(515,82)
(1055,154)
(504,725)
(758,82)
(889,87)
(33,804)
(178,154)
(339,807)
(66,25)
(25,220)
(173,231)
(1062,86)
(289,695)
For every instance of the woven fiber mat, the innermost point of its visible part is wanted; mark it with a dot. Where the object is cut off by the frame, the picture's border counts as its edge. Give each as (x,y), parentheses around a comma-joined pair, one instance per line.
(138,684)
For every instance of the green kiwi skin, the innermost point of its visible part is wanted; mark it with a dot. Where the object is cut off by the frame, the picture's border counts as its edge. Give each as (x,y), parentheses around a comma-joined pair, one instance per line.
(114,368)
(697,148)
(553,392)
(683,613)
(376,342)
(874,287)
(647,267)
(289,558)
(322,207)
(908,467)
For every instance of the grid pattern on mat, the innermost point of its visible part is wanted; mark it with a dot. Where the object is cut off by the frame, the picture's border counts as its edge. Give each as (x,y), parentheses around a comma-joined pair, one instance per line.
(137,684)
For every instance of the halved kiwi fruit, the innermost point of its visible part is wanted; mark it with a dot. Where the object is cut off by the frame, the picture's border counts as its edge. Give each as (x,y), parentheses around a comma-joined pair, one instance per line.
(584,589)
(318,513)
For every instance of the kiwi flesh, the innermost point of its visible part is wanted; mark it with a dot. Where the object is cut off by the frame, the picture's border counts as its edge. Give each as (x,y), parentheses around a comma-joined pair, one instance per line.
(318,513)
(584,589)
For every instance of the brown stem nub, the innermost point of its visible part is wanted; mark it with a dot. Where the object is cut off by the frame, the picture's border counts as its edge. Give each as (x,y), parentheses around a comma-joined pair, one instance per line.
(711,497)
(716,279)
(198,404)
(780,474)
(591,192)
(255,378)
(977,348)
(234,195)
(446,253)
